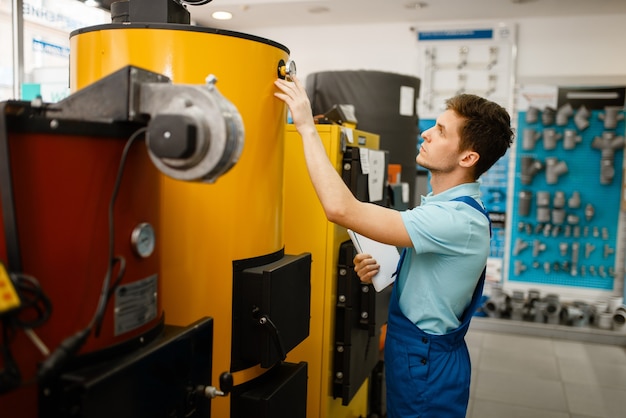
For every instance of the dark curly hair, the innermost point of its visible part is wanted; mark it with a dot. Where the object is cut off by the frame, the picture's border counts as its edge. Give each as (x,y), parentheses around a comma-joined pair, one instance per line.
(486,129)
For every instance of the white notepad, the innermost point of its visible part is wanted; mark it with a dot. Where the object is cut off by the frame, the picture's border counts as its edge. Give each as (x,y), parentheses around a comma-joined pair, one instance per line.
(386,256)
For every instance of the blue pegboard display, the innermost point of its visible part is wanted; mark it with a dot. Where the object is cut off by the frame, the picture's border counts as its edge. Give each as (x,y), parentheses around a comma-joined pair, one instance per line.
(493,193)
(566,197)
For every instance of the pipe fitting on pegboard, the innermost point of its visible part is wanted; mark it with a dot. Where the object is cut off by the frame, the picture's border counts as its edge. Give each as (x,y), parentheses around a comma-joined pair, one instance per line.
(525,198)
(548,116)
(608,143)
(550,138)
(563,114)
(611,116)
(581,118)
(530,168)
(555,169)
(532,115)
(530,136)
(571,139)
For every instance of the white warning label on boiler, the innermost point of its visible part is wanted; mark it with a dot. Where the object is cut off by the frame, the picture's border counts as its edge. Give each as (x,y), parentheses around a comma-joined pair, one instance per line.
(135,304)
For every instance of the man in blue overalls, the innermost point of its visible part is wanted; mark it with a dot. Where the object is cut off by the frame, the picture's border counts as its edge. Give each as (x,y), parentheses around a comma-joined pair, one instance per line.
(446,241)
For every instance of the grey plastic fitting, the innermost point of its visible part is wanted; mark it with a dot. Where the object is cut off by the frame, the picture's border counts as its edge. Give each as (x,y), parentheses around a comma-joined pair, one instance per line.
(543,206)
(553,308)
(558,216)
(496,304)
(574,201)
(543,198)
(532,115)
(540,311)
(525,198)
(570,139)
(575,256)
(581,118)
(577,314)
(619,319)
(530,167)
(529,138)
(611,116)
(517,309)
(563,114)
(520,245)
(559,199)
(590,212)
(608,143)
(538,247)
(554,169)
(550,138)
(548,116)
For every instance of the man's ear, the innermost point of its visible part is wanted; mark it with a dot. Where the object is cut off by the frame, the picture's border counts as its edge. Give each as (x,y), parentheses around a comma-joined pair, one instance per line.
(469,159)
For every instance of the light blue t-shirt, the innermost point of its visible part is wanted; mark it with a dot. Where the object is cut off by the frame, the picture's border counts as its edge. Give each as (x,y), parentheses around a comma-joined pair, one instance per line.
(450,250)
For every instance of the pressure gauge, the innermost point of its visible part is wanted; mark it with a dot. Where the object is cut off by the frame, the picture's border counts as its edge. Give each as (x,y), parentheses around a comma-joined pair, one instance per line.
(142,240)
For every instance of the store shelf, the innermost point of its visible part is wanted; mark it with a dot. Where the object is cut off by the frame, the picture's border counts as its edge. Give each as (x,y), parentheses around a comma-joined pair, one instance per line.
(586,334)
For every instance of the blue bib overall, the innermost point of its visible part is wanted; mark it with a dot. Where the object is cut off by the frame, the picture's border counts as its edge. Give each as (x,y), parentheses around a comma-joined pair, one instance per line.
(428,376)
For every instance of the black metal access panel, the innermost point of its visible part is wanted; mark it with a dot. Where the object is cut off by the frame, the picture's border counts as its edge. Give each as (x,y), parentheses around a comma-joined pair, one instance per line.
(359,314)
(271,316)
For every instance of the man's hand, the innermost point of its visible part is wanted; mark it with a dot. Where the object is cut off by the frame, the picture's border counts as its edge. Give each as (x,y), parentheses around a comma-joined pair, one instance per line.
(294,95)
(365,267)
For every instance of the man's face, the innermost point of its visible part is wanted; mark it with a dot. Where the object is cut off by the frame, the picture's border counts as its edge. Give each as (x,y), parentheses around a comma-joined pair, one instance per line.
(439,151)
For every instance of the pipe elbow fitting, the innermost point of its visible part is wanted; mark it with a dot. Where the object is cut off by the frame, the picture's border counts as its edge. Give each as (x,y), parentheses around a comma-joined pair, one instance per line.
(581,118)
(563,113)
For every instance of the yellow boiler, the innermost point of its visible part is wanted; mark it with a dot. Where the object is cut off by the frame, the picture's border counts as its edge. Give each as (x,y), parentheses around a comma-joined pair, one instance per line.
(307,229)
(209,229)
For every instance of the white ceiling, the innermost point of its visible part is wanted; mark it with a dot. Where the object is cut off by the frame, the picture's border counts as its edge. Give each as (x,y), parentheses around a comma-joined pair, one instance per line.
(249,14)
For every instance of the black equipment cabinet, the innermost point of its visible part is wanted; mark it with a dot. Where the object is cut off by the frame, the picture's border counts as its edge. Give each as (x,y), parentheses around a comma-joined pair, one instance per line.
(158,380)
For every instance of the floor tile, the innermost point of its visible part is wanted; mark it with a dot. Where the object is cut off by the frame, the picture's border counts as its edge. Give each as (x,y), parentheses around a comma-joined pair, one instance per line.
(531,364)
(577,371)
(585,400)
(614,402)
(517,344)
(474,338)
(520,390)
(611,354)
(488,409)
(570,350)
(611,375)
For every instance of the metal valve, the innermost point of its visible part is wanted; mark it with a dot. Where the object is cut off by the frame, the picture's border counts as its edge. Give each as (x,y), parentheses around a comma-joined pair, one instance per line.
(286,70)
(211,392)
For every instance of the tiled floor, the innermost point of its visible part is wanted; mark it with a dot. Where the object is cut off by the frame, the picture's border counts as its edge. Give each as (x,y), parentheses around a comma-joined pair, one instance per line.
(516,376)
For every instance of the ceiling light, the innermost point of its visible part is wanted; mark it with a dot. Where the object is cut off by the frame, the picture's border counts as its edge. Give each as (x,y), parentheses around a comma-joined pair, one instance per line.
(220,15)
(319,9)
(416,5)
(92,3)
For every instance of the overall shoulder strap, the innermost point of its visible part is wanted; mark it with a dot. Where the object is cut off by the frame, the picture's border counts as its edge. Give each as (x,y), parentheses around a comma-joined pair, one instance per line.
(473,203)
(478,291)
